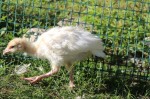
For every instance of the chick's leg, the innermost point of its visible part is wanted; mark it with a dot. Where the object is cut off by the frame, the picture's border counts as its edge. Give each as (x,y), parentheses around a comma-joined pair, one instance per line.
(70,69)
(35,79)
(71,83)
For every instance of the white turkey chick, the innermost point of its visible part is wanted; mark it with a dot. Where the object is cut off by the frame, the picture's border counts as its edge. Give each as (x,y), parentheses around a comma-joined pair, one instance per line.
(60,46)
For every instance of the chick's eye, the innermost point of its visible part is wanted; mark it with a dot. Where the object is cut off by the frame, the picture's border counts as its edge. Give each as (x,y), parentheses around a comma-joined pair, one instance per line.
(12,46)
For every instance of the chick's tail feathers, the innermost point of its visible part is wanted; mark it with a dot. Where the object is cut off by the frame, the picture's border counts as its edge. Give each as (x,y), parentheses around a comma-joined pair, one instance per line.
(97,48)
(99,53)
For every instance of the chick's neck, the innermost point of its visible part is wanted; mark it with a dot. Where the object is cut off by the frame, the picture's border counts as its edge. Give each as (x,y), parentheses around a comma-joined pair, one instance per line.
(30,48)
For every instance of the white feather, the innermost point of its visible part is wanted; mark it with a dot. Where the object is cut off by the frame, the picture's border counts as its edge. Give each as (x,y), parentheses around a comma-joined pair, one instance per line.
(68,44)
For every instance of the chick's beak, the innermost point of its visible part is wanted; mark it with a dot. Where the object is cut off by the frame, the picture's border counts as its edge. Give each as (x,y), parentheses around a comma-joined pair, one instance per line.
(6,51)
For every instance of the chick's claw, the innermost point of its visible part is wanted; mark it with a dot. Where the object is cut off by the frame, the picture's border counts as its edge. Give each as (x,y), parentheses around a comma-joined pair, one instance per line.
(33,80)
(71,85)
(29,78)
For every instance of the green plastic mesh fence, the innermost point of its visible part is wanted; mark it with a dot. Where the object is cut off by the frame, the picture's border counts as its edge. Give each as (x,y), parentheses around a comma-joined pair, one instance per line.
(123,25)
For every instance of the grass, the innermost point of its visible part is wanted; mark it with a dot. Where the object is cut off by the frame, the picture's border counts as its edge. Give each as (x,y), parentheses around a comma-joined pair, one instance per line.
(90,83)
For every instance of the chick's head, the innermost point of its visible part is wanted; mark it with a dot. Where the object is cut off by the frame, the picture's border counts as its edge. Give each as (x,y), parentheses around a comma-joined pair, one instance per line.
(15,45)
